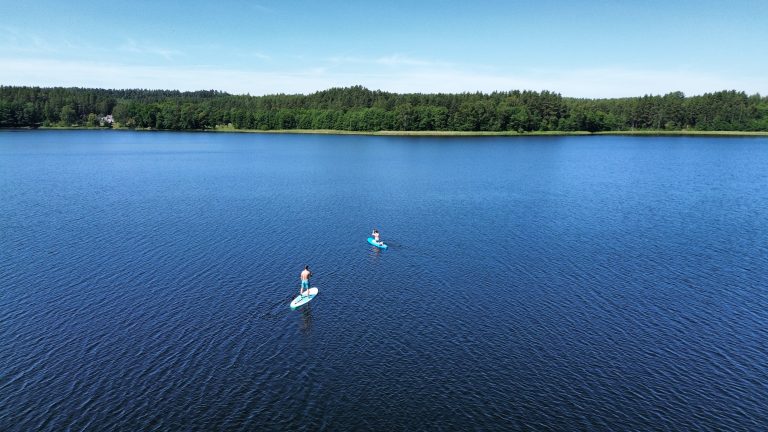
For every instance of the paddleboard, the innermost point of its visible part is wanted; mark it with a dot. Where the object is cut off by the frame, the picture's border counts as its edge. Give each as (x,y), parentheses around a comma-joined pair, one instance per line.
(301,299)
(373,242)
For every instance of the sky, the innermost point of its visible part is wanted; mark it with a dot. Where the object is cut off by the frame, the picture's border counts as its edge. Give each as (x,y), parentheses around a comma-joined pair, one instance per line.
(590,48)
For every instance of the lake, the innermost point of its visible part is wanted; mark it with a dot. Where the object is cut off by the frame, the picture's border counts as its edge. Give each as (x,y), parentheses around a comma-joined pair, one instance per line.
(535,283)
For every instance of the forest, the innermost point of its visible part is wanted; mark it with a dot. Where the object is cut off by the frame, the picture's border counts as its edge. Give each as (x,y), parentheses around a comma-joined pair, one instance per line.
(360,109)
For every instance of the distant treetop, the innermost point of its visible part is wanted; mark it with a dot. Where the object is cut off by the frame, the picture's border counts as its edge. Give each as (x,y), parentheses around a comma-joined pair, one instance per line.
(360,109)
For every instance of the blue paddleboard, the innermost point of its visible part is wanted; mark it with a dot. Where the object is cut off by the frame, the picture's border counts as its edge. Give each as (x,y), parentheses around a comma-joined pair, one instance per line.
(302,299)
(373,242)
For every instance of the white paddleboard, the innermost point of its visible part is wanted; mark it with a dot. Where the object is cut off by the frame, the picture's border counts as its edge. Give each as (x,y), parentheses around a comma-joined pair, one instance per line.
(301,299)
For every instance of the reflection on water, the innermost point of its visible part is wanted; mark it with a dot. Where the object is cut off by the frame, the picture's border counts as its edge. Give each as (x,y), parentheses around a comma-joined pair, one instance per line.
(306,318)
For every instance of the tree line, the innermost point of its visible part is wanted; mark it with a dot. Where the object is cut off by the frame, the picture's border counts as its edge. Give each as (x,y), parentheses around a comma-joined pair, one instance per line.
(359,109)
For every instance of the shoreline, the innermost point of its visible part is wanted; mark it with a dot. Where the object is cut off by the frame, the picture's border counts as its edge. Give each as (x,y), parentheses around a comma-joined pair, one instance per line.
(428,133)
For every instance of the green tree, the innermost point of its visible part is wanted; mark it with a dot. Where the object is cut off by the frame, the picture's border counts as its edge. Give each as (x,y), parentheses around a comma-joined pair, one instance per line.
(68,115)
(93,120)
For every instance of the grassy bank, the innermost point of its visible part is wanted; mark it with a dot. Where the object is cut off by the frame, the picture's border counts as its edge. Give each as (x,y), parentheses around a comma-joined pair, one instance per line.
(485,133)
(438,133)
(392,133)
(684,133)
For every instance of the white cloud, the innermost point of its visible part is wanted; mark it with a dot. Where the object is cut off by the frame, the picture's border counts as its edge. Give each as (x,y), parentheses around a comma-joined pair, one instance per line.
(133,47)
(253,55)
(400,60)
(592,83)
(13,40)
(394,60)
(43,72)
(260,8)
(586,83)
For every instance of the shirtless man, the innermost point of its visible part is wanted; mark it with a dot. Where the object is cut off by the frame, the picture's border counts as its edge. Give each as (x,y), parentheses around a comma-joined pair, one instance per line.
(305,275)
(375,235)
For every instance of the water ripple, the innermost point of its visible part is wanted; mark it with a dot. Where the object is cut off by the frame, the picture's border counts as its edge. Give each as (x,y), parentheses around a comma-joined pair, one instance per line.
(555,284)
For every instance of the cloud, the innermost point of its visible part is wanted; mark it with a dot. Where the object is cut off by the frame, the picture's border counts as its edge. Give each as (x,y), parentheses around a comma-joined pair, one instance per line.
(400,60)
(132,46)
(46,72)
(587,83)
(584,83)
(14,40)
(260,8)
(390,60)
(253,55)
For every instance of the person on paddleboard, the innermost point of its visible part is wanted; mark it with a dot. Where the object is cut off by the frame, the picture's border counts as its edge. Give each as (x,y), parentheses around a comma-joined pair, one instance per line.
(375,235)
(305,275)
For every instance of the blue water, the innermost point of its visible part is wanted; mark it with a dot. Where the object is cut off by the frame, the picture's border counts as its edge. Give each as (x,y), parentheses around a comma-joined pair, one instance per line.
(542,283)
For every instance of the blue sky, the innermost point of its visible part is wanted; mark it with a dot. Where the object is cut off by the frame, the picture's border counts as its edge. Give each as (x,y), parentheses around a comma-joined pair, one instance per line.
(576,48)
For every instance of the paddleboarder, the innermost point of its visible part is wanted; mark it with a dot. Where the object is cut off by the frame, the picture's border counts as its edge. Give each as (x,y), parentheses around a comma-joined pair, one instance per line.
(375,235)
(305,275)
